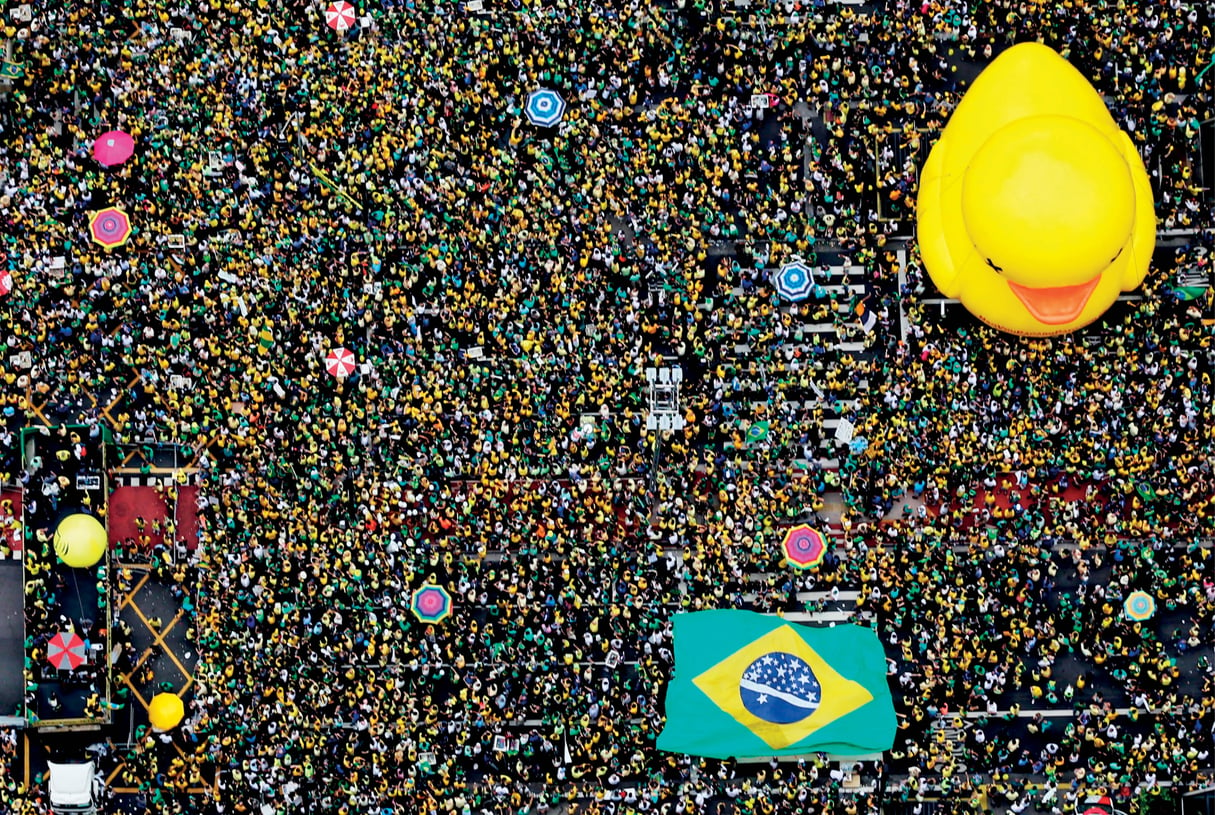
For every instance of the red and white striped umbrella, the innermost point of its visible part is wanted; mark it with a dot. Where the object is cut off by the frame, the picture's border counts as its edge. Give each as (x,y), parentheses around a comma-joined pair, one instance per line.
(340,15)
(340,363)
(65,651)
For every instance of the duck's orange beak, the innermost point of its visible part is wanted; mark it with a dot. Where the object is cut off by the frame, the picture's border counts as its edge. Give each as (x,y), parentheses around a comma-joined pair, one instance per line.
(1055,305)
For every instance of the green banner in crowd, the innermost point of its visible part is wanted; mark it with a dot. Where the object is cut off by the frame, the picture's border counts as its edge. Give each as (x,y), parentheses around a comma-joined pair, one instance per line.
(754,685)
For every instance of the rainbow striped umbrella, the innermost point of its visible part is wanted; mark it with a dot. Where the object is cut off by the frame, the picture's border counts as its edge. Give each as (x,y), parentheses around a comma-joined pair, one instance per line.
(1139,606)
(431,604)
(110,227)
(804,547)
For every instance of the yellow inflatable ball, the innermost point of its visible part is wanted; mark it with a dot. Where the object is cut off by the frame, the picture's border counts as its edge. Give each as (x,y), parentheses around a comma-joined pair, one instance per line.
(80,540)
(1035,209)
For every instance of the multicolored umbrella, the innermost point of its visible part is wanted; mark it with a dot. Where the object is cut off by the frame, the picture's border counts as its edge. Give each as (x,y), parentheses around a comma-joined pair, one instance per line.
(794,281)
(341,16)
(110,227)
(113,147)
(431,604)
(1139,606)
(544,107)
(804,547)
(340,363)
(65,651)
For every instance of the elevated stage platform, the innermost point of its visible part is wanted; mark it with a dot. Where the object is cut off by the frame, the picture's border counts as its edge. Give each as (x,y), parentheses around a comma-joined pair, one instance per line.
(66,608)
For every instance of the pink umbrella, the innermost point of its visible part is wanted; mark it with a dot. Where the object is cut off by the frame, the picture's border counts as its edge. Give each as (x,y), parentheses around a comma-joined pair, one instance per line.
(340,15)
(110,227)
(113,147)
(340,363)
(65,651)
(6,283)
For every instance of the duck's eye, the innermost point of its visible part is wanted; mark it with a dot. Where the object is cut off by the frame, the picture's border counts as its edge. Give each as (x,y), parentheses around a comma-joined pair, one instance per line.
(998,269)
(1115,257)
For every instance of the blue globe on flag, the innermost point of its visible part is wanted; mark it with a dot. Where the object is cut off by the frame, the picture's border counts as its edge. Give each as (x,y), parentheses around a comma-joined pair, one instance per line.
(544,107)
(780,688)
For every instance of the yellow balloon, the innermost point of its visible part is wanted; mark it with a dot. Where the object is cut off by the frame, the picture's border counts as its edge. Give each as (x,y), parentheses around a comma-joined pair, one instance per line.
(80,540)
(165,711)
(1035,209)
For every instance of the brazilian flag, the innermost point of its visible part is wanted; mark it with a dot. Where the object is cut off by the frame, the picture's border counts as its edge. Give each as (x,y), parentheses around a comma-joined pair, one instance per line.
(754,685)
(757,432)
(1188,293)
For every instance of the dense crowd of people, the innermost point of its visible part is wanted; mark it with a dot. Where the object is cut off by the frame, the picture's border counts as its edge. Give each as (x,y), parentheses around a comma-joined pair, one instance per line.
(503,288)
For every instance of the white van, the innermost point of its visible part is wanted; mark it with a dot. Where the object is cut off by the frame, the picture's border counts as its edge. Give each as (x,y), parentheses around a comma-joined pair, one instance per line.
(75,788)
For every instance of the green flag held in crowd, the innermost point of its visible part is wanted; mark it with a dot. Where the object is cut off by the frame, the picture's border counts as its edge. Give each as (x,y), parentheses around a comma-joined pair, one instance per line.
(750,684)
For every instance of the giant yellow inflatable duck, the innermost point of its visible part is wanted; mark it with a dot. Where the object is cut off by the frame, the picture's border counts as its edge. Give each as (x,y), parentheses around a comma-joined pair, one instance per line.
(1034,208)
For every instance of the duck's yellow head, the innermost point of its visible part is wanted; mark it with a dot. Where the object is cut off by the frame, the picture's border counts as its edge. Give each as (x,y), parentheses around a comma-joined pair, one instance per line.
(1034,208)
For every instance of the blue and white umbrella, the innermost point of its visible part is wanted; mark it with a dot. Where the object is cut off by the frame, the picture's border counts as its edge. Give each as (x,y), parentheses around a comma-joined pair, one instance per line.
(545,107)
(794,281)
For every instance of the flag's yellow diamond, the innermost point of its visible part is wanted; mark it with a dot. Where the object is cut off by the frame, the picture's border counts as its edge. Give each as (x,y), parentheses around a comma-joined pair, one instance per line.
(780,689)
